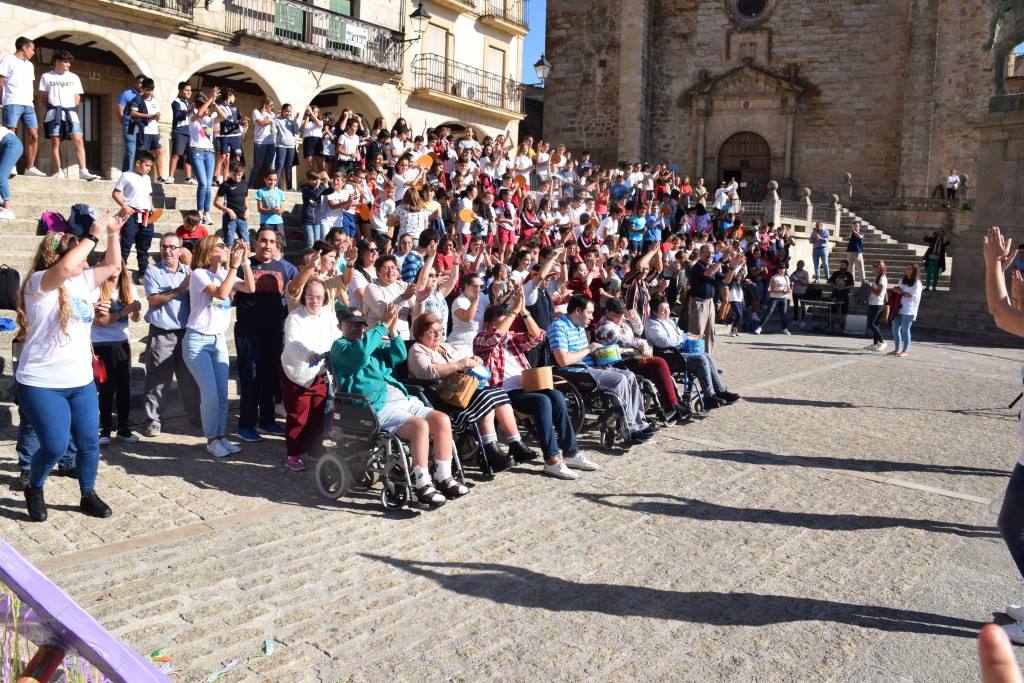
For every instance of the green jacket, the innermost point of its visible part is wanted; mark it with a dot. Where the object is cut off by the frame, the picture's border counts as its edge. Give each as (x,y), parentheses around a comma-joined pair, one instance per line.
(364,366)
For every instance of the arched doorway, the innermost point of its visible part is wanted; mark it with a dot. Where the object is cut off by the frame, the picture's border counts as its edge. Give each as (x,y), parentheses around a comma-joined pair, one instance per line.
(746,157)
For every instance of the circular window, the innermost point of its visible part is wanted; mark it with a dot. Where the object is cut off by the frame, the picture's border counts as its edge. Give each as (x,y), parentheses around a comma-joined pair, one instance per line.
(751,9)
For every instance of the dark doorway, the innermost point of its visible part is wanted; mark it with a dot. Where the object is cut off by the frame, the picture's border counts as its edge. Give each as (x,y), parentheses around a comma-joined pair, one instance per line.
(747,158)
(89,114)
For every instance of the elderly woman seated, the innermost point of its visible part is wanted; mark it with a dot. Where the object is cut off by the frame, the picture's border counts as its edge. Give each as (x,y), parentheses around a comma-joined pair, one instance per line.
(363,361)
(430,358)
(622,326)
(504,354)
(662,332)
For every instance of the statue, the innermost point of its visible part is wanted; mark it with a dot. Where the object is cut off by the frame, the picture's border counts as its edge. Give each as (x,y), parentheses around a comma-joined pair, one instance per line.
(1005,45)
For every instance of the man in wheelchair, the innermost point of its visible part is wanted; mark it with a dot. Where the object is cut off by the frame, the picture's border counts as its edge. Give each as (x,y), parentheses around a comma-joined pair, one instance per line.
(572,351)
(363,361)
(664,334)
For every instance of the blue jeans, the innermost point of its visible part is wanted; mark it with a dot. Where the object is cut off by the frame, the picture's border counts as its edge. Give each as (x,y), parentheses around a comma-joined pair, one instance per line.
(1011,517)
(239,227)
(26,113)
(901,331)
(131,142)
(314,232)
(28,442)
(206,356)
(56,414)
(262,158)
(819,255)
(549,415)
(782,305)
(285,161)
(202,167)
(10,152)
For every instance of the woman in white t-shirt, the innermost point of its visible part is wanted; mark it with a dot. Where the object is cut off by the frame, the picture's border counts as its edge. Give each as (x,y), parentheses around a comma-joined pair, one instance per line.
(264,142)
(876,303)
(909,289)
(779,289)
(468,313)
(210,287)
(55,384)
(363,272)
(523,164)
(201,156)
(110,344)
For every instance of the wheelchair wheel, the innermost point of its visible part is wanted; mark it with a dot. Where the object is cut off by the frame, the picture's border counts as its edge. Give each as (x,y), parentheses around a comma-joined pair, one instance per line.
(574,404)
(609,428)
(394,496)
(333,477)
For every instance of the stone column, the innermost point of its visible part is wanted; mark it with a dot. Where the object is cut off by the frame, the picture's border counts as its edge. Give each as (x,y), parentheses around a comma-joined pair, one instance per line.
(772,204)
(634,39)
(700,112)
(790,125)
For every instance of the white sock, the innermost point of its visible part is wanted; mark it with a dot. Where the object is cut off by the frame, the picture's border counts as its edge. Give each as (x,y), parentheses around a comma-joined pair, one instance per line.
(420,476)
(442,470)
(488,438)
(513,438)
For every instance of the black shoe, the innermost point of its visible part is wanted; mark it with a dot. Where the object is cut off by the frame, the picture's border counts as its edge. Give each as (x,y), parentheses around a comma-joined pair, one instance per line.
(640,436)
(70,472)
(36,503)
(653,428)
(21,482)
(712,403)
(520,453)
(728,396)
(498,461)
(93,506)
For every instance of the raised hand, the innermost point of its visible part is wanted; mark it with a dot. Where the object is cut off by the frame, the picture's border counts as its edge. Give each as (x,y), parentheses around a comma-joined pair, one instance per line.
(996,247)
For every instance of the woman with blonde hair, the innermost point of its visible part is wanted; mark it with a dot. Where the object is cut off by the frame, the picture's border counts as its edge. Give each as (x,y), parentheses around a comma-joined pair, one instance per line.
(111,346)
(55,377)
(214,279)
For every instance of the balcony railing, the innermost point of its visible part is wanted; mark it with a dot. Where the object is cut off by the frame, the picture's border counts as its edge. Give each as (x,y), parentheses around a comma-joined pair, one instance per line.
(513,11)
(441,75)
(302,26)
(182,8)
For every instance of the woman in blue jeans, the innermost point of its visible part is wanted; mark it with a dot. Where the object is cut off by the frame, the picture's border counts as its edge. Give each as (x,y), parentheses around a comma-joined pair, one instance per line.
(10,152)
(55,379)
(213,280)
(909,289)
(200,131)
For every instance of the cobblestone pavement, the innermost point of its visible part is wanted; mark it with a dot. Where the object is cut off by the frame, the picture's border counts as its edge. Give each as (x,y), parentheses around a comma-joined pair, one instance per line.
(837,524)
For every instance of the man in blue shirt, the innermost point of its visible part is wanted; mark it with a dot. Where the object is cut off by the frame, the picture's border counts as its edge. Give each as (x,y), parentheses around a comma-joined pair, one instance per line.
(567,337)
(819,250)
(166,284)
(130,135)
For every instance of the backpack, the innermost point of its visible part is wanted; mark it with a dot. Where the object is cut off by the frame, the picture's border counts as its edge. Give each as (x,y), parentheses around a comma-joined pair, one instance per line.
(10,283)
(81,219)
(52,222)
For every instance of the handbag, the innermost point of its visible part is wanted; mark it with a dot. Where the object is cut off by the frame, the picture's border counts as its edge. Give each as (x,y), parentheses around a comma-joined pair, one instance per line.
(892,305)
(458,389)
(99,370)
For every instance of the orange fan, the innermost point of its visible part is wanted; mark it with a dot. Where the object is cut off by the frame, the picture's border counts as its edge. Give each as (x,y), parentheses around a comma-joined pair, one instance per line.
(556,158)
(467,216)
(666,210)
(365,211)
(425,161)
(519,181)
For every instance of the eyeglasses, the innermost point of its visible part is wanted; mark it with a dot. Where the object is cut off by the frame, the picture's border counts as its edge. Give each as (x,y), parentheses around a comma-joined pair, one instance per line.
(435,332)
(172,247)
(373,251)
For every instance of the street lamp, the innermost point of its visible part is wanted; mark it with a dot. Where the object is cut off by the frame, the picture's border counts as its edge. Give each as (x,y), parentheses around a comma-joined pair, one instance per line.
(420,16)
(542,69)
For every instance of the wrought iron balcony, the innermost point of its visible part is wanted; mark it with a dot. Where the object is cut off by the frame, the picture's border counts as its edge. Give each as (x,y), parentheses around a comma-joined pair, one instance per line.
(509,15)
(309,28)
(451,80)
(179,10)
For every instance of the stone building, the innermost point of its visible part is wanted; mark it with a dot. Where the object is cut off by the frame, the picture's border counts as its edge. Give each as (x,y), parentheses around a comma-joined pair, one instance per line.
(799,92)
(459,68)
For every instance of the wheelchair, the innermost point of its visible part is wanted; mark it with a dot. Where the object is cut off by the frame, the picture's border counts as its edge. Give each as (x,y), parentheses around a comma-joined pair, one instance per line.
(687,386)
(365,455)
(652,402)
(601,406)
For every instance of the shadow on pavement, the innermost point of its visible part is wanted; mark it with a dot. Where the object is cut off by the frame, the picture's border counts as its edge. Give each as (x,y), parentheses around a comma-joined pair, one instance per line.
(850,464)
(677,506)
(521,587)
(995,412)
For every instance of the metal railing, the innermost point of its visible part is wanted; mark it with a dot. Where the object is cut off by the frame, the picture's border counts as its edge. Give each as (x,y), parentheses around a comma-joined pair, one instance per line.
(439,74)
(513,11)
(791,209)
(293,23)
(180,7)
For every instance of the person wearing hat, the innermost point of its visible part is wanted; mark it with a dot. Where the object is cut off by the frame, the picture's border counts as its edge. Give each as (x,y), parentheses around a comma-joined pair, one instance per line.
(621,325)
(363,361)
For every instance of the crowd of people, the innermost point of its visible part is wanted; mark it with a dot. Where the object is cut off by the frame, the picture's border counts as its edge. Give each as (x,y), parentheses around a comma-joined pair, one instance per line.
(426,256)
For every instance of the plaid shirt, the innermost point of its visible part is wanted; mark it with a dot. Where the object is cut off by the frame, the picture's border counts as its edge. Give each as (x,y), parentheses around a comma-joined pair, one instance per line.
(493,346)
(411,265)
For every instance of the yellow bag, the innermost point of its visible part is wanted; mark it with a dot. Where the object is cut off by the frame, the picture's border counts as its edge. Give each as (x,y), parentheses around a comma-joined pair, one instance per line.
(458,389)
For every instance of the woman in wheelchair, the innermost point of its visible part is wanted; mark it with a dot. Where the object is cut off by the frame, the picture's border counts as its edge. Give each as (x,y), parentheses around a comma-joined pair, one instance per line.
(430,358)
(663,333)
(363,361)
(504,354)
(623,327)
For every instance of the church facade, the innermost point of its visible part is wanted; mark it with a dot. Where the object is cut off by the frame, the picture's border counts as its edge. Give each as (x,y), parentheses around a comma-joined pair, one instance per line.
(801,92)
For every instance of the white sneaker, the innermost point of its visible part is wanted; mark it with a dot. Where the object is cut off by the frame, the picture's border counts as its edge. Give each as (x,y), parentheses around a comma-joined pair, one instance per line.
(6,214)
(882,347)
(14,172)
(872,346)
(757,331)
(560,471)
(165,181)
(217,449)
(231,446)
(785,330)
(1015,612)
(34,172)
(85,175)
(580,462)
(59,174)
(191,181)
(1015,631)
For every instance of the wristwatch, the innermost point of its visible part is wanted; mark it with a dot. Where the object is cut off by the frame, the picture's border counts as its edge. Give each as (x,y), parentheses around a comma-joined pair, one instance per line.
(93,238)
